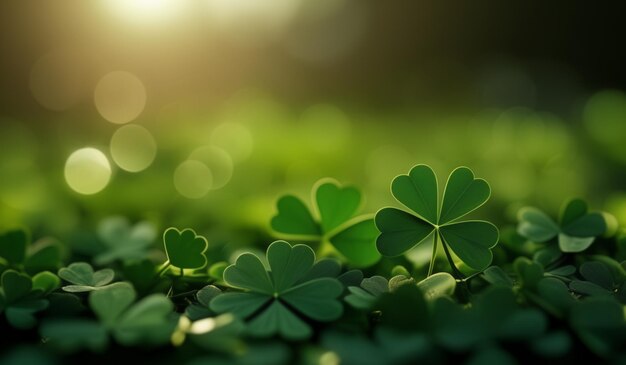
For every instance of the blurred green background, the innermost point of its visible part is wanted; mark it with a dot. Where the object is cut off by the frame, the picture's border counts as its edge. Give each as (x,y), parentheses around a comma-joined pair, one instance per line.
(201,113)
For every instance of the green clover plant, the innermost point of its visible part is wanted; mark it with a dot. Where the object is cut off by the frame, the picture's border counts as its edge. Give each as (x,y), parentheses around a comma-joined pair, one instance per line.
(17,253)
(333,219)
(123,241)
(150,320)
(276,299)
(20,299)
(430,220)
(576,230)
(84,278)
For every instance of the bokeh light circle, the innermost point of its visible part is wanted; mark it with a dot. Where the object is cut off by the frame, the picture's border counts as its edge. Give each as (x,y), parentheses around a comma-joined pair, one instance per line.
(218,161)
(133,148)
(120,97)
(233,138)
(193,179)
(87,171)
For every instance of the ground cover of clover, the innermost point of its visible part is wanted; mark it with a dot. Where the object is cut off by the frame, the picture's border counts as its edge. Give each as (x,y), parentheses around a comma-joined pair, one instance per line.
(334,285)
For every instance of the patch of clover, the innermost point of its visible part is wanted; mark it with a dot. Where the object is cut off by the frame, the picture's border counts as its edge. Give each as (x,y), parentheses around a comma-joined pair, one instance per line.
(17,252)
(124,241)
(280,299)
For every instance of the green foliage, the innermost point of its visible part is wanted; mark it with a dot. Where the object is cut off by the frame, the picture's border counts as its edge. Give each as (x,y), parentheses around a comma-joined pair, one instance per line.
(185,249)
(19,300)
(84,279)
(273,299)
(333,219)
(123,241)
(576,230)
(17,253)
(431,220)
(148,321)
(537,301)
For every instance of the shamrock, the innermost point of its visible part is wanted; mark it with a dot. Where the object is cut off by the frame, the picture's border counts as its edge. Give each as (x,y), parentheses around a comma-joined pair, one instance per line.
(185,249)
(16,252)
(83,277)
(334,222)
(123,241)
(19,300)
(148,321)
(576,230)
(471,241)
(600,280)
(275,300)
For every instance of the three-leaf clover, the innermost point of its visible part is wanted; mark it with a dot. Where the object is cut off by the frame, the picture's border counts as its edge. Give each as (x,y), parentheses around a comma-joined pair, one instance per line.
(600,280)
(576,230)
(123,241)
(17,253)
(332,220)
(19,300)
(185,249)
(148,321)
(431,220)
(84,279)
(274,300)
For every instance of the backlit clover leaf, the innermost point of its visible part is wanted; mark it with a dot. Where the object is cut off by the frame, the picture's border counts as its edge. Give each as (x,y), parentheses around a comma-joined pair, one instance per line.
(17,253)
(275,301)
(332,219)
(123,241)
(20,299)
(151,320)
(84,279)
(576,230)
(185,249)
(430,221)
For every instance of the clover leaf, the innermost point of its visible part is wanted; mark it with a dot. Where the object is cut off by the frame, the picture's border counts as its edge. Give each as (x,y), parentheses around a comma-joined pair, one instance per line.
(84,279)
(431,220)
(274,301)
(335,221)
(16,252)
(123,241)
(185,249)
(576,230)
(599,280)
(19,300)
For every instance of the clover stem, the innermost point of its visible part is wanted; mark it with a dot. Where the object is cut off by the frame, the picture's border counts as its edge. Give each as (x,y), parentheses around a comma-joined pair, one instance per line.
(163,267)
(456,271)
(434,255)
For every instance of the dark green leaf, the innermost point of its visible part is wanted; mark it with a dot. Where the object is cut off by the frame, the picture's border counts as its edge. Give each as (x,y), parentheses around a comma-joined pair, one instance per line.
(471,241)
(185,249)
(418,191)
(294,218)
(462,195)
(400,231)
